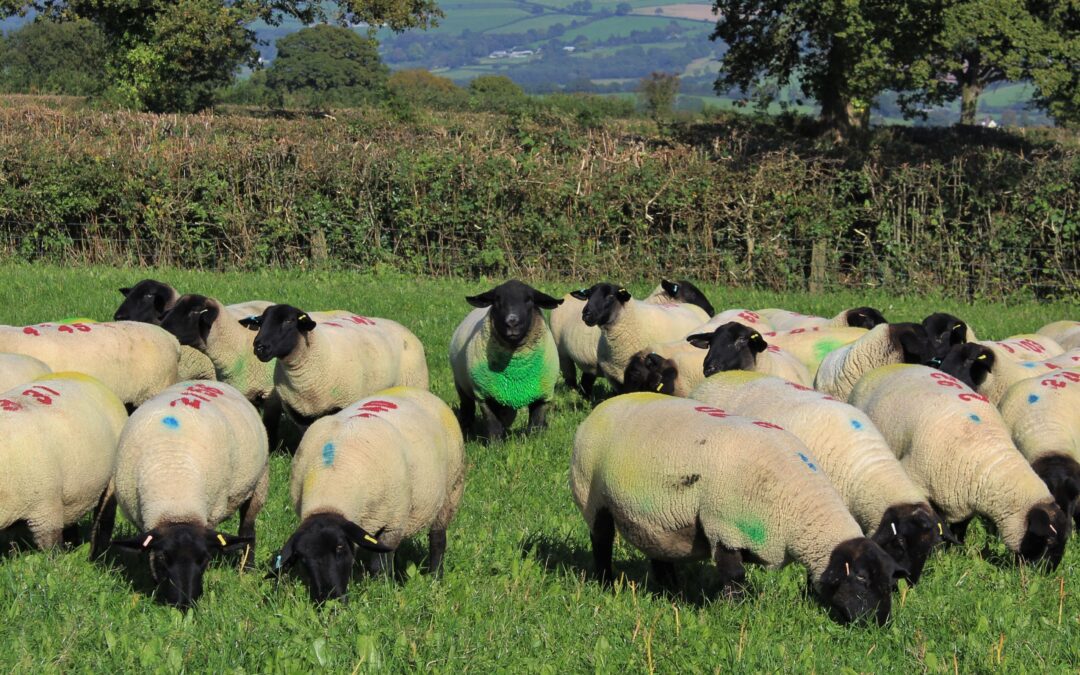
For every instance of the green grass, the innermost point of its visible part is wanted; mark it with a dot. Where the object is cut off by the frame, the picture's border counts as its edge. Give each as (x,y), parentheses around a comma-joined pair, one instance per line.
(516,597)
(623,26)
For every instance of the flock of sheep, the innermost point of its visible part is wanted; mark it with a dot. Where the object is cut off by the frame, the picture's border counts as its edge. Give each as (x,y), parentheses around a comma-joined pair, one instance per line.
(850,445)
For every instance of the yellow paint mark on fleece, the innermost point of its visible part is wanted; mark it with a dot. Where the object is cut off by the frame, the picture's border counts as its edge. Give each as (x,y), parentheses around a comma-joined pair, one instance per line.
(71,375)
(309,479)
(882,371)
(736,376)
(393,391)
(642,397)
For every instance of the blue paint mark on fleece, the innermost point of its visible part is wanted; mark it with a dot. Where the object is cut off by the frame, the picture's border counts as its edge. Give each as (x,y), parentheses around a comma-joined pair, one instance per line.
(975,418)
(1028,364)
(807,462)
(328,454)
(171,422)
(1032,398)
(856,424)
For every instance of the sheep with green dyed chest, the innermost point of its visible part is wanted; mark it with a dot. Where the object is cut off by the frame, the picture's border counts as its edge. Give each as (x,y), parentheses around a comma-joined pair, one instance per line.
(683,480)
(388,466)
(956,447)
(18,368)
(889,507)
(811,345)
(504,357)
(58,437)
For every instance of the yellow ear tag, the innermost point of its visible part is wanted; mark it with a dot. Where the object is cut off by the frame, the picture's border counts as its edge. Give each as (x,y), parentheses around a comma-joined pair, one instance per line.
(622,290)
(940,531)
(755,336)
(371,539)
(956,326)
(982,357)
(302,317)
(221,539)
(659,386)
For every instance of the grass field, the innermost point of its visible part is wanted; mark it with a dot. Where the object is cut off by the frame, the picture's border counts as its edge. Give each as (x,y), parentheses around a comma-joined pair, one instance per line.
(516,596)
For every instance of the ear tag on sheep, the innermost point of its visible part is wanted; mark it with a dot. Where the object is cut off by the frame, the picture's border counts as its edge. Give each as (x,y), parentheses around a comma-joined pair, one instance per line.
(146,542)
(847,568)
(893,528)
(755,336)
(622,290)
(371,539)
(221,539)
(302,317)
(982,357)
(659,386)
(956,326)
(277,562)
(675,288)
(1052,529)
(940,530)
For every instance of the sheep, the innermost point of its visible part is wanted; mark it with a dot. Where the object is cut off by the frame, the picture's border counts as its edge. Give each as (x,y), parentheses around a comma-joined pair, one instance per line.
(683,480)
(889,507)
(858,317)
(1042,416)
(391,464)
(811,345)
(1060,330)
(577,345)
(135,360)
(884,344)
(15,369)
(325,366)
(186,461)
(956,447)
(1071,340)
(744,316)
(629,326)
(504,357)
(946,331)
(1070,359)
(681,291)
(989,370)
(1027,347)
(59,436)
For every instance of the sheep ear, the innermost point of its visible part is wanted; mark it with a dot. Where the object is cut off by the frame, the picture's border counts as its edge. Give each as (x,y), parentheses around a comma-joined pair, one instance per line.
(283,560)
(958,333)
(900,572)
(982,365)
(305,323)
(482,300)
(670,287)
(140,542)
(124,291)
(623,295)
(251,322)
(546,301)
(219,541)
(700,340)
(363,539)
(582,293)
(757,343)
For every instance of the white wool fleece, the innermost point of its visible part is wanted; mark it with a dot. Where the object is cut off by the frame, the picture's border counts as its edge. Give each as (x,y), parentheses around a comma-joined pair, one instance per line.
(636,325)
(58,438)
(690,361)
(192,454)
(347,358)
(1026,347)
(842,368)
(1058,330)
(741,316)
(16,369)
(135,360)
(573,339)
(1043,414)
(392,463)
(1007,371)
(954,445)
(668,467)
(842,439)
(811,345)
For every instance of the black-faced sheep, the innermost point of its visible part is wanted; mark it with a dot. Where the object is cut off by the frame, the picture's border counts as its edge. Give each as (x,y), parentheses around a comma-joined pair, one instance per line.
(883,345)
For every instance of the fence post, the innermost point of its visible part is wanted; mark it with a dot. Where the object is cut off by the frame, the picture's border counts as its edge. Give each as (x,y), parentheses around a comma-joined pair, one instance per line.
(818,266)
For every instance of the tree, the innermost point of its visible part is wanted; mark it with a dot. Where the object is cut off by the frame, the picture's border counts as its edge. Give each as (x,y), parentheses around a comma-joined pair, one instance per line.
(658,92)
(67,58)
(419,86)
(169,55)
(327,65)
(840,51)
(623,8)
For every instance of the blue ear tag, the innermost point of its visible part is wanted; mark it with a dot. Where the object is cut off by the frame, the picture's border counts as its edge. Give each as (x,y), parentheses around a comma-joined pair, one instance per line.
(675,288)
(277,562)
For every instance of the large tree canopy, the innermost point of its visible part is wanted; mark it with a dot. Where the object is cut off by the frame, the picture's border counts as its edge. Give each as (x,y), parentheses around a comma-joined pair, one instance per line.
(171,54)
(49,58)
(327,65)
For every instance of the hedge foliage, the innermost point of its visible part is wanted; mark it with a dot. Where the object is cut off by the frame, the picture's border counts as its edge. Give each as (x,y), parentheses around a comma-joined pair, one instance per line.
(743,201)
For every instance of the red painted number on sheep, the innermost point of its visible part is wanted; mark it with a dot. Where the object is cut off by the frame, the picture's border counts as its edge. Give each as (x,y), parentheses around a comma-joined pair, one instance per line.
(373,408)
(749,316)
(42,394)
(197,394)
(710,411)
(8,405)
(768,425)
(361,320)
(973,397)
(1031,345)
(1006,347)
(30,330)
(71,328)
(798,386)
(1061,380)
(946,380)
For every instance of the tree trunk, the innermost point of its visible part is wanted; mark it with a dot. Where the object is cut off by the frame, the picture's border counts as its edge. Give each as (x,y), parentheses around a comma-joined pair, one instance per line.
(838,115)
(970,90)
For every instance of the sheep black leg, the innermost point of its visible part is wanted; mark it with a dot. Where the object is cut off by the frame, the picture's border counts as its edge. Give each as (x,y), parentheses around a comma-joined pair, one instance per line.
(499,418)
(466,411)
(569,372)
(732,573)
(587,382)
(70,535)
(104,520)
(603,542)
(436,549)
(271,418)
(538,415)
(663,573)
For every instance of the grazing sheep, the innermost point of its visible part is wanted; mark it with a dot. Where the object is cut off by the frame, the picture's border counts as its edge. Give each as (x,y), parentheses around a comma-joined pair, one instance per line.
(1071,340)
(945,332)
(682,480)
(1070,359)
(187,460)
(681,291)
(884,344)
(988,369)
(956,447)
(135,360)
(1027,347)
(1043,416)
(1060,330)
(504,357)
(576,343)
(58,448)
(391,464)
(889,507)
(16,369)
(323,367)
(744,316)
(629,326)
(858,317)
(811,345)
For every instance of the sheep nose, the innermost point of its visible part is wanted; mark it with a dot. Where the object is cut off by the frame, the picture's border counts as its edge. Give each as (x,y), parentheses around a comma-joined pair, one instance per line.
(513,320)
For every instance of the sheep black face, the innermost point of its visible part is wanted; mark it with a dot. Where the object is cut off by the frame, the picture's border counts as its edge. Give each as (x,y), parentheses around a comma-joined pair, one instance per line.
(280,328)
(1046,533)
(179,555)
(865,317)
(190,320)
(324,546)
(684,291)
(650,372)
(912,341)
(908,533)
(1061,474)
(970,363)
(732,346)
(602,302)
(945,331)
(514,307)
(859,581)
(146,302)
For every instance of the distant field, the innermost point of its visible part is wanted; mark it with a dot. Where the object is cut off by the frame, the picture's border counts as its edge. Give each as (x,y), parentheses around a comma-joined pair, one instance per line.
(517,595)
(693,11)
(625,25)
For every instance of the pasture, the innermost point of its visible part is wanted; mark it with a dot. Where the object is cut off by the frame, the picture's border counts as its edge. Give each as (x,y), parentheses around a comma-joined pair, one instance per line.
(516,595)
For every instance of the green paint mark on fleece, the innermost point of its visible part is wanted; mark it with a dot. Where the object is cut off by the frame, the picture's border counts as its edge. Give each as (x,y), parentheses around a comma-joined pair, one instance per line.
(753,528)
(823,347)
(516,379)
